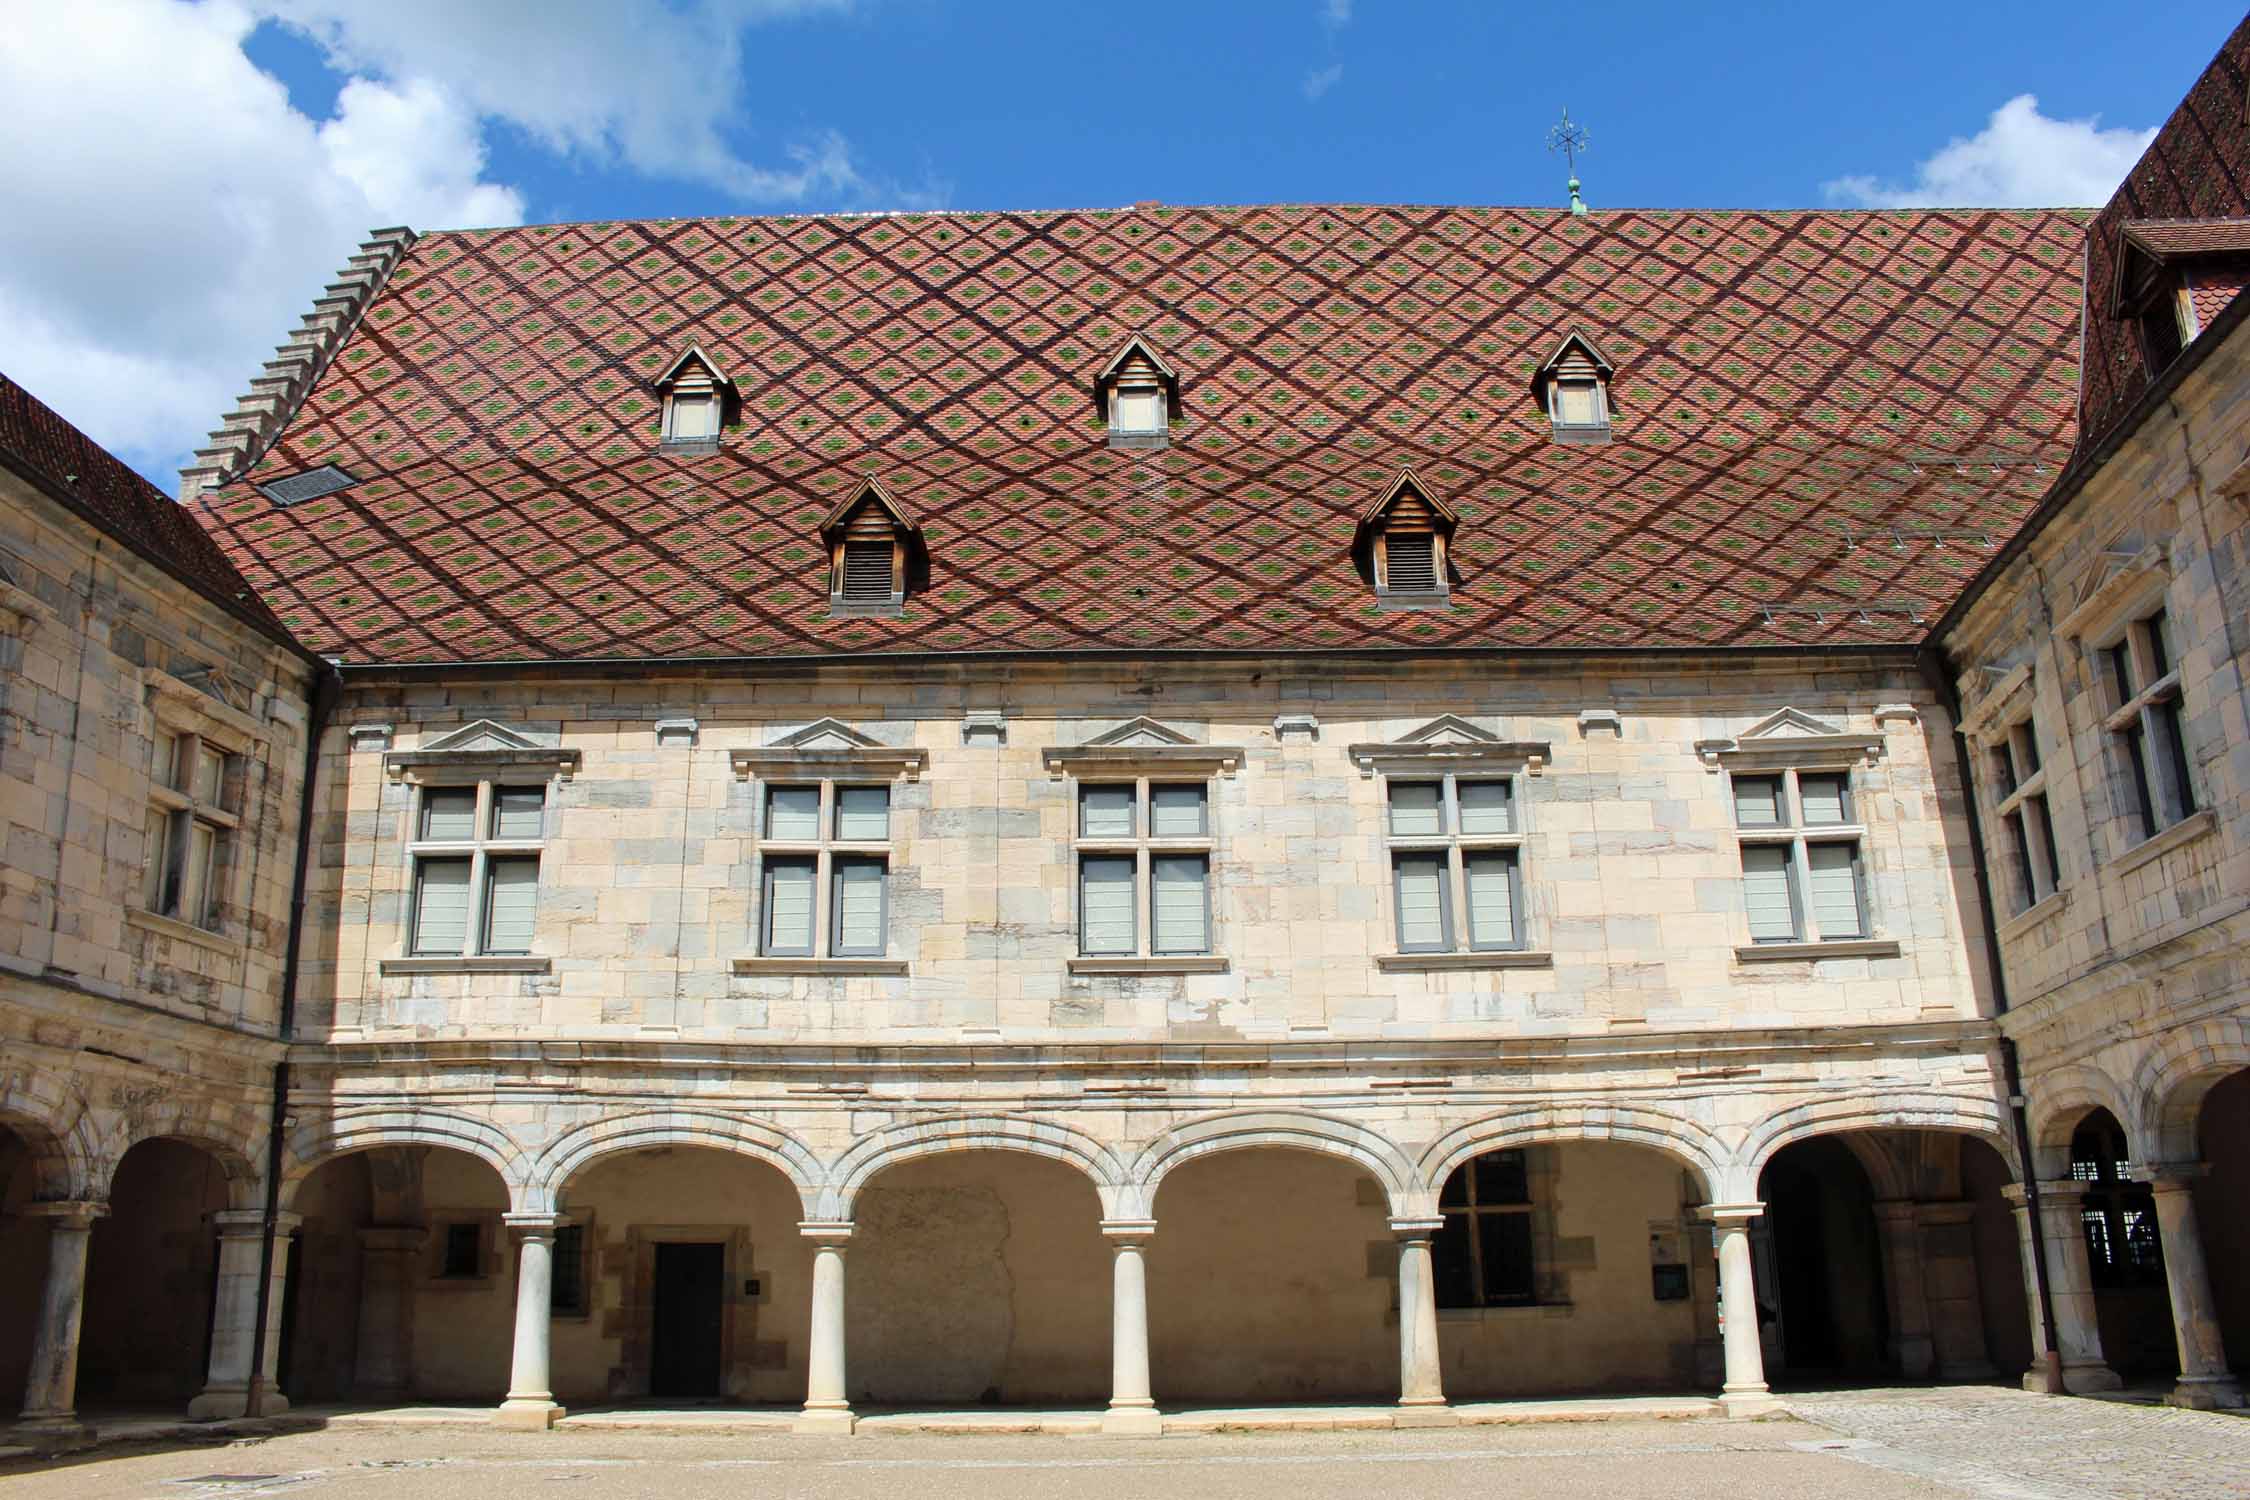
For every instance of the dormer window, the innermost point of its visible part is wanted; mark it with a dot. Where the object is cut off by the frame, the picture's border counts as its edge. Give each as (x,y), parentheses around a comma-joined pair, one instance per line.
(1402,545)
(875,551)
(1137,395)
(694,392)
(1573,386)
(2174,277)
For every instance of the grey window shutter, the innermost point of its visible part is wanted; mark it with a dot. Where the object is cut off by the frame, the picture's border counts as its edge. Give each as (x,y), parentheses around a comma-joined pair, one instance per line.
(1492,899)
(789,906)
(1417,809)
(1486,807)
(1831,871)
(1413,561)
(1419,881)
(868,573)
(1105,812)
(1823,800)
(441,906)
(1105,904)
(518,811)
(449,813)
(1182,917)
(512,904)
(793,812)
(1177,812)
(863,812)
(1766,894)
(859,906)
(1757,801)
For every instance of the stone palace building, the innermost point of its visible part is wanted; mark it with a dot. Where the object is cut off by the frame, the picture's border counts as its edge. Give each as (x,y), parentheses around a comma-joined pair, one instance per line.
(1129,809)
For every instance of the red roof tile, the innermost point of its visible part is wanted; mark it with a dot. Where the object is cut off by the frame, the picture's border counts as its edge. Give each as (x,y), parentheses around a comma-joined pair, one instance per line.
(2166,238)
(1792,393)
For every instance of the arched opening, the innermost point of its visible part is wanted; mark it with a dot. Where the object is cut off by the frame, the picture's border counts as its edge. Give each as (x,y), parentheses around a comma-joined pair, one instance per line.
(679,1277)
(978,1277)
(1273,1276)
(2124,1252)
(145,1328)
(1888,1254)
(23,1263)
(2222,1209)
(400,1281)
(1571,1266)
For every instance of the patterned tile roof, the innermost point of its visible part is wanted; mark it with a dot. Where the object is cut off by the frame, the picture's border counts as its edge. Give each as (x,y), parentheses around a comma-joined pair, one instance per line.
(1822,420)
(2165,237)
(106,492)
(2198,167)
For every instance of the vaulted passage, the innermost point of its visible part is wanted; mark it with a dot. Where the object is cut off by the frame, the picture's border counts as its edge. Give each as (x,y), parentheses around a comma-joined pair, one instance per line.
(2222,1204)
(23,1266)
(145,1334)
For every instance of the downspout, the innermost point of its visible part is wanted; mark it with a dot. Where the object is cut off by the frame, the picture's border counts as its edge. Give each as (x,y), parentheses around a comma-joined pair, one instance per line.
(327,688)
(1938,673)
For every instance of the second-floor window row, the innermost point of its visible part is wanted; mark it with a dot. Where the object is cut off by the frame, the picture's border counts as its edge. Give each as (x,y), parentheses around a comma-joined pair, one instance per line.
(824,849)
(1803,872)
(2145,722)
(476,869)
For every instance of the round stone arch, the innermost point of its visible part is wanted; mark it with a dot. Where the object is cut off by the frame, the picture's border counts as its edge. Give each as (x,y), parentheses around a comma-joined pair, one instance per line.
(55,1124)
(1910,1109)
(583,1145)
(1408,1195)
(231,1134)
(324,1139)
(894,1144)
(2057,1102)
(1686,1142)
(2171,1081)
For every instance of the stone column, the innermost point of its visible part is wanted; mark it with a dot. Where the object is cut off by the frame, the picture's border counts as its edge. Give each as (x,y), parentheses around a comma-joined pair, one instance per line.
(531,1399)
(828,1407)
(1905,1299)
(50,1390)
(1132,1410)
(227,1392)
(2070,1285)
(1421,1384)
(1953,1290)
(1745,1393)
(2205,1381)
(383,1361)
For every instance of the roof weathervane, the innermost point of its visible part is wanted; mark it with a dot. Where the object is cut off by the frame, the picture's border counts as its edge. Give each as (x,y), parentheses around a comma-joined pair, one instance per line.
(1569,137)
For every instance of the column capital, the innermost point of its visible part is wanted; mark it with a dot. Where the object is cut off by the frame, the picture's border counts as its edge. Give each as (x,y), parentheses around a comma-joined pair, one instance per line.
(1730,1215)
(830,1232)
(2062,1190)
(526,1223)
(250,1223)
(1417,1228)
(68,1213)
(1128,1231)
(2169,1176)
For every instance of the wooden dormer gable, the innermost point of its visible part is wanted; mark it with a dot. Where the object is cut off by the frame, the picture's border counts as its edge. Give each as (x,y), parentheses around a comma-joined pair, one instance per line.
(1572,386)
(1403,540)
(874,550)
(696,394)
(1137,393)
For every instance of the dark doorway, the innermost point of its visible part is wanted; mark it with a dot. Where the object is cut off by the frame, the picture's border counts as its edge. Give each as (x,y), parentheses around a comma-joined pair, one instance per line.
(1819,1210)
(689,1302)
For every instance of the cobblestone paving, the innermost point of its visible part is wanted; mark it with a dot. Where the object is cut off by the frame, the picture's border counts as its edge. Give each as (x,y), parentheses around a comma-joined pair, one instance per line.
(2010,1445)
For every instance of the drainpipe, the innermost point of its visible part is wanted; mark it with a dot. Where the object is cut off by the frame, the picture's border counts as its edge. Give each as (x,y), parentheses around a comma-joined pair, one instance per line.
(327,688)
(1937,672)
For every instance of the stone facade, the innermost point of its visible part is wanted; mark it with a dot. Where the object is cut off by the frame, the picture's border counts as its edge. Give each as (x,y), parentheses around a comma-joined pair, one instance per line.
(2128,991)
(125,1030)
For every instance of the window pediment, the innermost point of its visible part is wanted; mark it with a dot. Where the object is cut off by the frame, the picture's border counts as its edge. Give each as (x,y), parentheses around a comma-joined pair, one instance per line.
(1790,738)
(829,747)
(2122,581)
(484,747)
(1450,743)
(1143,744)
(190,702)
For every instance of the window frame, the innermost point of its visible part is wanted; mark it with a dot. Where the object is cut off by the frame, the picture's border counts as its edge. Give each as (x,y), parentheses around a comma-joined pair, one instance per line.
(1143,847)
(175,883)
(1455,849)
(1797,838)
(481,849)
(2144,723)
(824,852)
(1595,385)
(1474,1214)
(2119,1204)
(2021,808)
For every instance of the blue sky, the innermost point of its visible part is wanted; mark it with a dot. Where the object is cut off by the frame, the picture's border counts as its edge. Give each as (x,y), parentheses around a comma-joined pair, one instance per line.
(185,174)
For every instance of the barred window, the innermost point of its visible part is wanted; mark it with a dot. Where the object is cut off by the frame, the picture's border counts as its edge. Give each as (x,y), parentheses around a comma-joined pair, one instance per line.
(2117,1214)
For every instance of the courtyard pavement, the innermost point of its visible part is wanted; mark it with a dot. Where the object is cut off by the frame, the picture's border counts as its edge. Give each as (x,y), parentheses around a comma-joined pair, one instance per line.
(1922,1444)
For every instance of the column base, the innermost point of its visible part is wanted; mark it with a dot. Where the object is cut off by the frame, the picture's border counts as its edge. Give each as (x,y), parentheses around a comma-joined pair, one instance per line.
(530,1414)
(1132,1421)
(2045,1377)
(49,1434)
(1425,1414)
(1916,1357)
(2090,1376)
(2206,1393)
(219,1404)
(1757,1403)
(825,1421)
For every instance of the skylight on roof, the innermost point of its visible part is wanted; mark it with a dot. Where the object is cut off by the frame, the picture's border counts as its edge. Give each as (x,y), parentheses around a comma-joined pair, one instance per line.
(310,485)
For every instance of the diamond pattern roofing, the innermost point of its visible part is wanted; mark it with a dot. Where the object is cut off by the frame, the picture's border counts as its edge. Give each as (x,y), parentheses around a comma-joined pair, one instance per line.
(1821,421)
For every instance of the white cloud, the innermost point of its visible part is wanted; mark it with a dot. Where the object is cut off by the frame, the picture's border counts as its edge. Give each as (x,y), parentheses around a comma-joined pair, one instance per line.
(169,215)
(2021,159)
(1321,80)
(1336,12)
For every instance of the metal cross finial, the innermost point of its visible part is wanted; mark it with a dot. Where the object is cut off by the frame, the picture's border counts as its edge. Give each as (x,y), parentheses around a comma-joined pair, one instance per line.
(1569,137)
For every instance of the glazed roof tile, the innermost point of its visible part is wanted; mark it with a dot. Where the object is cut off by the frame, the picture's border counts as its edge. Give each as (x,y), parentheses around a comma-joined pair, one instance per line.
(1821,420)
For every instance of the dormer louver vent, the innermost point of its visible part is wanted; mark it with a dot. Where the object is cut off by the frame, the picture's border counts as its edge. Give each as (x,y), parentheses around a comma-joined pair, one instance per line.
(1402,545)
(310,485)
(875,552)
